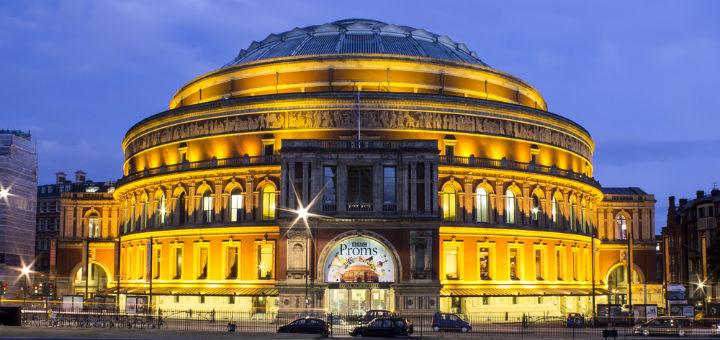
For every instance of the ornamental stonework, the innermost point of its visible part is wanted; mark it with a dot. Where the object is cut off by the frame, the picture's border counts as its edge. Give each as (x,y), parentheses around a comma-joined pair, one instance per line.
(347,119)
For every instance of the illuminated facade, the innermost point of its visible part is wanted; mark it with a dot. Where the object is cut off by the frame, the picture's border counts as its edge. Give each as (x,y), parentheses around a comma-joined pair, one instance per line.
(430,180)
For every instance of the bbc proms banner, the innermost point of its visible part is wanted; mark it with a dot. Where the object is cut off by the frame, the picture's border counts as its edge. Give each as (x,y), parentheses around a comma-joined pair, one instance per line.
(359,259)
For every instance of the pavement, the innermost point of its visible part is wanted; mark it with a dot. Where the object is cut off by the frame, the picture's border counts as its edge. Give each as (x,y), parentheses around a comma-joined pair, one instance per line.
(26,333)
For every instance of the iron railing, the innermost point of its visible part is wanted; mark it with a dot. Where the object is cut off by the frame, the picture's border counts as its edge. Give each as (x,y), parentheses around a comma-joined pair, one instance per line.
(517,166)
(481,325)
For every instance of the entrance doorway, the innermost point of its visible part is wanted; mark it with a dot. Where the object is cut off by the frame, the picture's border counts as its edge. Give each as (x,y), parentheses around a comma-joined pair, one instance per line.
(358,300)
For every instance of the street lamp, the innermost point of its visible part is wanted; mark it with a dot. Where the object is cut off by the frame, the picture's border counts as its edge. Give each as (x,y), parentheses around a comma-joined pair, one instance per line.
(701,286)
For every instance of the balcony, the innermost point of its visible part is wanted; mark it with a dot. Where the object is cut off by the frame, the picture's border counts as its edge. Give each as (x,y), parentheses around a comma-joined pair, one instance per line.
(517,166)
(201,165)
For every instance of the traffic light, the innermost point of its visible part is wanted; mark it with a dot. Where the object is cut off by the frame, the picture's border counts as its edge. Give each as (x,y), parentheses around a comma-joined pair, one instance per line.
(51,289)
(36,289)
(4,288)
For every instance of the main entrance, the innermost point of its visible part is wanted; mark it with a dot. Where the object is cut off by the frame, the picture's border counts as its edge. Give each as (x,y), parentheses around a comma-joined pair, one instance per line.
(357,298)
(359,271)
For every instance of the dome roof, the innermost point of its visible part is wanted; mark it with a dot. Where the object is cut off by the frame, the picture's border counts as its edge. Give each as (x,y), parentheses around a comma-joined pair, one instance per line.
(357,36)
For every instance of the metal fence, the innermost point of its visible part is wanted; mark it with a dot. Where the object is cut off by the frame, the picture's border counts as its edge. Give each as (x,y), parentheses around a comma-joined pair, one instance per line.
(341,325)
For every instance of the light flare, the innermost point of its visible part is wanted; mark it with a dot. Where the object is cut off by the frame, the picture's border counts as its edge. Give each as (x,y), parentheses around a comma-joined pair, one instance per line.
(303,212)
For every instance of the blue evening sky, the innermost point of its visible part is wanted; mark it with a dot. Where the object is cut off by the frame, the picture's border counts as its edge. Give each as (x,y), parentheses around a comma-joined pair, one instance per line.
(641,76)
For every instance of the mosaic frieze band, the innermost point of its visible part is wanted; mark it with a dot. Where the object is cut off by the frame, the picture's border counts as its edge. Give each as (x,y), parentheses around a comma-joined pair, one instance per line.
(347,119)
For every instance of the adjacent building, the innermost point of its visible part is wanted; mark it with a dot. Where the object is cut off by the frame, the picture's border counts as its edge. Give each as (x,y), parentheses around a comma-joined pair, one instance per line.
(692,227)
(351,166)
(18,182)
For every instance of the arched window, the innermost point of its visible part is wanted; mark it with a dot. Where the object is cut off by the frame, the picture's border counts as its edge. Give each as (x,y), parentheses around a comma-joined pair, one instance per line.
(481,204)
(449,204)
(268,203)
(180,208)
(132,217)
(583,223)
(207,207)
(571,215)
(125,218)
(93,226)
(621,227)
(160,212)
(144,215)
(536,210)
(235,205)
(554,212)
(510,208)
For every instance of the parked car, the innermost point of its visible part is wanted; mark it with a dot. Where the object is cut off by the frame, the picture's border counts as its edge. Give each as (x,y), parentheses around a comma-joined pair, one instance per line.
(307,325)
(449,322)
(665,325)
(374,314)
(575,320)
(386,326)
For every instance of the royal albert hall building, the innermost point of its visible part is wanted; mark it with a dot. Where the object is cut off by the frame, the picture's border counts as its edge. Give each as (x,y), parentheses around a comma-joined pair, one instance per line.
(361,165)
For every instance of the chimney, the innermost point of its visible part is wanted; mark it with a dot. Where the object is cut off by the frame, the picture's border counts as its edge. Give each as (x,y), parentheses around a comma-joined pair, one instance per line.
(79,177)
(671,200)
(700,194)
(60,177)
(715,192)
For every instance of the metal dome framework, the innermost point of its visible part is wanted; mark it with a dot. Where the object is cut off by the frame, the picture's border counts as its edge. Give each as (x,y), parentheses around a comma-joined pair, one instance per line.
(351,36)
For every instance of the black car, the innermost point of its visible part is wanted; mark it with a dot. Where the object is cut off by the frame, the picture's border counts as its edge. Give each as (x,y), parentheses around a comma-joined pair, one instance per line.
(665,325)
(388,326)
(374,314)
(306,325)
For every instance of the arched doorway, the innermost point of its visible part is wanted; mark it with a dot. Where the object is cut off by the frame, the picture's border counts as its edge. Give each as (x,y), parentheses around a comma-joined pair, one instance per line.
(618,283)
(98,279)
(359,270)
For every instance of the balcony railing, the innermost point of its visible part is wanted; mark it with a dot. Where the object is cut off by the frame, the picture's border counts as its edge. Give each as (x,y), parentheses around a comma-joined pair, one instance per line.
(518,166)
(350,145)
(199,165)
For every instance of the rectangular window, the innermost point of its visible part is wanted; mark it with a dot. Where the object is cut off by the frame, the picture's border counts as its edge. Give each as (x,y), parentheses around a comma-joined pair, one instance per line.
(202,262)
(266,262)
(207,209)
(268,203)
(235,206)
(268,149)
(484,263)
(359,191)
(329,192)
(158,258)
(420,187)
(94,226)
(162,210)
(575,264)
(177,273)
(486,300)
(389,187)
(232,262)
(559,268)
(451,263)
(449,151)
(449,204)
(141,263)
(144,217)
(481,203)
(539,265)
(298,180)
(132,219)
(513,262)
